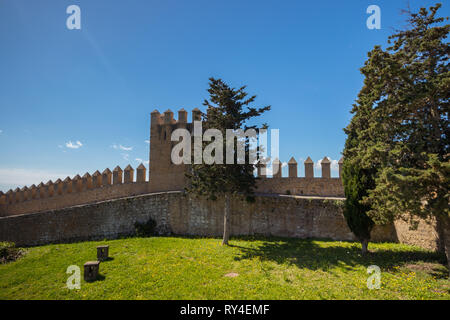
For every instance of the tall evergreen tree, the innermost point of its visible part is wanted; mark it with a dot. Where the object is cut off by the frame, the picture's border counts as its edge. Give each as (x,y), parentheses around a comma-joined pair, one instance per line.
(227,108)
(400,125)
(412,140)
(357,178)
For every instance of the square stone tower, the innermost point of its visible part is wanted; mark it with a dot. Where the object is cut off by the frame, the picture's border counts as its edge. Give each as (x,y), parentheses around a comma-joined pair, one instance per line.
(163,174)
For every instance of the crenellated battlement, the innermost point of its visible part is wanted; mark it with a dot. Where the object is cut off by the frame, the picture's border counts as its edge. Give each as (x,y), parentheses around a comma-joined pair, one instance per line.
(309,185)
(163,176)
(74,191)
(102,203)
(166,176)
(293,168)
(167,117)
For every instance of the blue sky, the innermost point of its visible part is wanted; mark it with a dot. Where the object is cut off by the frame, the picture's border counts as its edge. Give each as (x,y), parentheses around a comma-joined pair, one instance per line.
(74,101)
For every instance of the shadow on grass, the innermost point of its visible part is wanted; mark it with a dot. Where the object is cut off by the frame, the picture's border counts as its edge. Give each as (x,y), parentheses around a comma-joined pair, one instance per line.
(99,278)
(438,273)
(107,259)
(304,253)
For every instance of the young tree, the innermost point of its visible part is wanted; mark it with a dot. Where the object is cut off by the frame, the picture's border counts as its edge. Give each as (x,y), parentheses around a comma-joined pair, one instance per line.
(400,125)
(228,108)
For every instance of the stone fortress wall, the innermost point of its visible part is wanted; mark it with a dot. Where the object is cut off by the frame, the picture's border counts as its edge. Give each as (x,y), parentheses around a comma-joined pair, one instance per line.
(107,204)
(177,213)
(163,176)
(122,183)
(78,190)
(166,176)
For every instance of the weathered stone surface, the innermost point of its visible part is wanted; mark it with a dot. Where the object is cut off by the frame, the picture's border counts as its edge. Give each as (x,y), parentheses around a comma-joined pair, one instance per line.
(102,253)
(91,269)
(309,168)
(64,200)
(292,168)
(331,187)
(174,212)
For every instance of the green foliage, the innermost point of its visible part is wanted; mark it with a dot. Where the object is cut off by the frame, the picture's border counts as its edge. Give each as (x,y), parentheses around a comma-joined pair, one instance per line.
(356,183)
(423,192)
(195,268)
(145,229)
(228,108)
(398,136)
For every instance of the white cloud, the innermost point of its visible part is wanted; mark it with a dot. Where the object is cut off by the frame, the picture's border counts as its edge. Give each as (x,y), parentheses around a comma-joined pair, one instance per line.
(125,148)
(75,145)
(11,178)
(147,141)
(1,131)
(334,166)
(121,147)
(139,160)
(317,164)
(125,155)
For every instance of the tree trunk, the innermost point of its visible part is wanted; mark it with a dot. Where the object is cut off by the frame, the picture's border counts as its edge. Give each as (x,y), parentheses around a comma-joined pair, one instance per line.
(444,234)
(364,245)
(226,218)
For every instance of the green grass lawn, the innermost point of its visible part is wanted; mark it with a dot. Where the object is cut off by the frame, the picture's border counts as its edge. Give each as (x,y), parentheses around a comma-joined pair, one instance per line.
(195,268)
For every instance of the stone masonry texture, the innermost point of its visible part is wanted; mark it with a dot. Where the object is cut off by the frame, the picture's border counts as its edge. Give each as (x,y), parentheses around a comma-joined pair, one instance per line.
(178,213)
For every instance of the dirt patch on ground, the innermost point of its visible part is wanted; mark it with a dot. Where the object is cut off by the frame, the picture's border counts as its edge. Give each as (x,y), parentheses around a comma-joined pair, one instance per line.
(232,275)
